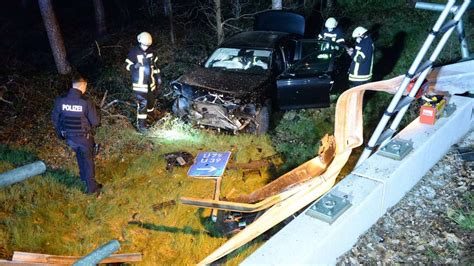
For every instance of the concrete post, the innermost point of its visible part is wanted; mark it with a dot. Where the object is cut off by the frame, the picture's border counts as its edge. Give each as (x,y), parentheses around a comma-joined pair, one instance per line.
(99,254)
(21,173)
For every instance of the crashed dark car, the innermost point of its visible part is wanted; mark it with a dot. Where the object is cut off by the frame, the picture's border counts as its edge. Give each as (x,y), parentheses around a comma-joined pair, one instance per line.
(253,71)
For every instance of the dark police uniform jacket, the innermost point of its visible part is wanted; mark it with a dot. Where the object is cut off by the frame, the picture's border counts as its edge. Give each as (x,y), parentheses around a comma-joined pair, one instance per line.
(362,60)
(336,35)
(145,76)
(74,115)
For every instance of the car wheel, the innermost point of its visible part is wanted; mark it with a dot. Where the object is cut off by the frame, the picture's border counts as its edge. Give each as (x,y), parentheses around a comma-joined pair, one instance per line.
(262,119)
(180,107)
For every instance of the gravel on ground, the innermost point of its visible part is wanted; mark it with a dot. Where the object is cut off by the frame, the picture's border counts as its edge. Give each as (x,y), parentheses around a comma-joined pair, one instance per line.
(421,228)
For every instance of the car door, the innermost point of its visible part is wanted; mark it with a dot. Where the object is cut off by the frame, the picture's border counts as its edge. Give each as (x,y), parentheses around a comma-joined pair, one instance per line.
(308,81)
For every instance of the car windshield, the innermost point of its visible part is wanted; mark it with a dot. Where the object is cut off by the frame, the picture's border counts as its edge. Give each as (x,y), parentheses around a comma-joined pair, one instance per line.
(240,60)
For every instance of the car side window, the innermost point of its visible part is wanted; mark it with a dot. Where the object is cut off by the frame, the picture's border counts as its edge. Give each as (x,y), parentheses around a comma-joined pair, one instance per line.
(277,61)
(288,49)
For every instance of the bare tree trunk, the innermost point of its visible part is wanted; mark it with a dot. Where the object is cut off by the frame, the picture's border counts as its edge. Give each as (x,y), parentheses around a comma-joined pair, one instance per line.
(276,4)
(100,17)
(236,8)
(219,26)
(330,4)
(169,14)
(54,35)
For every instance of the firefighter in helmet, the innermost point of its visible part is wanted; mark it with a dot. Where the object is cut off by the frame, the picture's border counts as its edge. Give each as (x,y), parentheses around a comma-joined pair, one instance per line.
(362,55)
(331,31)
(145,78)
(74,117)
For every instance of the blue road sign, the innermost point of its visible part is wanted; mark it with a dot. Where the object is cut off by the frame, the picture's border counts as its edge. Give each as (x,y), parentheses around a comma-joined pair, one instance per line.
(209,164)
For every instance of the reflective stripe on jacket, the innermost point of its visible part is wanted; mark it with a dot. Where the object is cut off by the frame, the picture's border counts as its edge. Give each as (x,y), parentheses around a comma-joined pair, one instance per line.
(362,60)
(143,76)
(336,35)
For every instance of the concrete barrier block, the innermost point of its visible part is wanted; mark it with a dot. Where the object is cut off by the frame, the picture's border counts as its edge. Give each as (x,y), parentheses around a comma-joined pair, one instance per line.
(307,240)
(430,144)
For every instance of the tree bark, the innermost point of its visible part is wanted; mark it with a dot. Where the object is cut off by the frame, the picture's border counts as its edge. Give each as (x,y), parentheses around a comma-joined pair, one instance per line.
(99,11)
(169,13)
(219,26)
(276,4)
(54,35)
(330,4)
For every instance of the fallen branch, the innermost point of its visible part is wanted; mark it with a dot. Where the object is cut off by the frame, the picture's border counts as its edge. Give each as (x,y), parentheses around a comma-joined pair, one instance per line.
(103,99)
(4,88)
(117,101)
(98,48)
(113,115)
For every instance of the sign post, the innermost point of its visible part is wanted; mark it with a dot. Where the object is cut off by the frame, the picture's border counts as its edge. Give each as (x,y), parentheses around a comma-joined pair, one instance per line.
(210,165)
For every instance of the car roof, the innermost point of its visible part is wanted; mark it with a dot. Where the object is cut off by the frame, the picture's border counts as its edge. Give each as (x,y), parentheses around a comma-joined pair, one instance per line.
(255,39)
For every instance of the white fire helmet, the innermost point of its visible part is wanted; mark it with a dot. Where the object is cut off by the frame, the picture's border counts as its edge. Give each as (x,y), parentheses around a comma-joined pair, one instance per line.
(144,38)
(358,32)
(331,23)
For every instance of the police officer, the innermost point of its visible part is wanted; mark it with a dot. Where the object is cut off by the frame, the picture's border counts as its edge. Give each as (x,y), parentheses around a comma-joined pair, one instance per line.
(74,116)
(360,71)
(331,31)
(145,76)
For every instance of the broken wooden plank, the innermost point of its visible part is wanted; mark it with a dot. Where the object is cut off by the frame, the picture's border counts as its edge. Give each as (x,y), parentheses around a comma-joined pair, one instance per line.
(162,205)
(19,263)
(57,259)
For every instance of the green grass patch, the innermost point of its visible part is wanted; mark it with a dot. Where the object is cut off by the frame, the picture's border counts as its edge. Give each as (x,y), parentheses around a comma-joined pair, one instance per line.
(464,217)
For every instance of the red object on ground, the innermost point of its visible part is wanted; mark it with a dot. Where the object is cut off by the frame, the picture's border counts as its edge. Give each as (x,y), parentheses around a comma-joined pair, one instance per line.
(430,112)
(422,90)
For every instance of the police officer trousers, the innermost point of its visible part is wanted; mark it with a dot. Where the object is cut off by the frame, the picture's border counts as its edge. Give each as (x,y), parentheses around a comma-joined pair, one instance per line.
(145,105)
(83,146)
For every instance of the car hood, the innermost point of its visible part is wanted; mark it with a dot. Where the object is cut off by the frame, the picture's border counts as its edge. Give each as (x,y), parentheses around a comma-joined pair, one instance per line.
(234,83)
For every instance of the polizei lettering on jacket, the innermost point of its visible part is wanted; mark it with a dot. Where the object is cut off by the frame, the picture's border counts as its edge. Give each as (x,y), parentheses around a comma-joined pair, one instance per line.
(72,108)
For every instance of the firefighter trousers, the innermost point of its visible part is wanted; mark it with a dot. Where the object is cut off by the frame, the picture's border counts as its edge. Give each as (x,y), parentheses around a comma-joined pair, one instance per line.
(145,106)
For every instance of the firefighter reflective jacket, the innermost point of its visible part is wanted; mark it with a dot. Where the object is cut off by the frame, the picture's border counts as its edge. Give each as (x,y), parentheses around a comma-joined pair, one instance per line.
(336,35)
(73,114)
(142,66)
(362,60)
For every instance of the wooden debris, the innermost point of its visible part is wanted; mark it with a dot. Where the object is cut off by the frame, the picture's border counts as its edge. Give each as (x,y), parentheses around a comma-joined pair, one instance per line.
(162,205)
(26,257)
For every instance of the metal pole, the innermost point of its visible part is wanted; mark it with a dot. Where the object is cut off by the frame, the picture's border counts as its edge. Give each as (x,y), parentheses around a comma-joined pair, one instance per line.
(411,72)
(463,40)
(21,173)
(98,254)
(433,57)
(460,26)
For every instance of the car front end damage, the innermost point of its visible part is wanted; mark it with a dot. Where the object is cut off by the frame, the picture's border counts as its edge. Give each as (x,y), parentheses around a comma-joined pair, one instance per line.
(216,109)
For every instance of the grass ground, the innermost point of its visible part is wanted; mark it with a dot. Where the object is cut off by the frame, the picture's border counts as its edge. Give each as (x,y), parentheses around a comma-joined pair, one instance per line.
(51,214)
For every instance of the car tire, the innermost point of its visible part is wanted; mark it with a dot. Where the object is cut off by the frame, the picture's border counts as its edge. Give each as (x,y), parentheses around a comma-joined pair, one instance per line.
(262,119)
